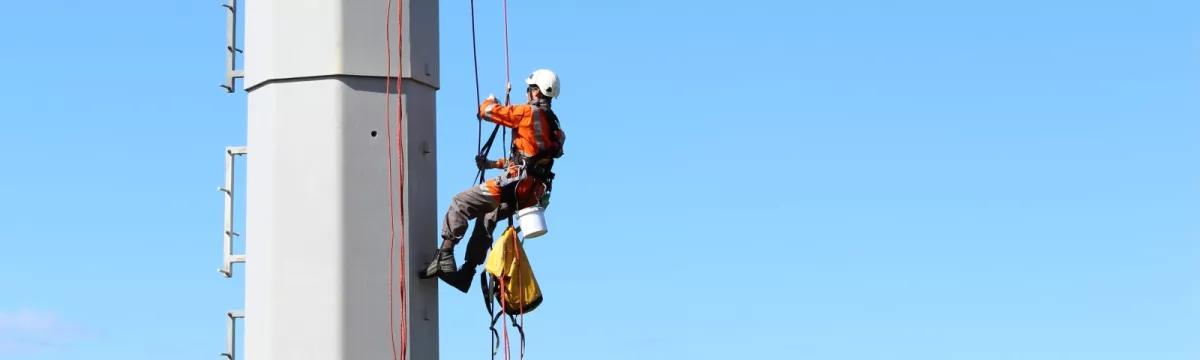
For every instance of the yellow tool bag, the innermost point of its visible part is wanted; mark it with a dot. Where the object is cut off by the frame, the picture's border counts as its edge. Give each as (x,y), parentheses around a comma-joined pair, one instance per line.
(511,277)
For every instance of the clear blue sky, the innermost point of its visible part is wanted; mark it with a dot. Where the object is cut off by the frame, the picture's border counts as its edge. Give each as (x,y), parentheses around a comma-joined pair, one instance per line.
(819,180)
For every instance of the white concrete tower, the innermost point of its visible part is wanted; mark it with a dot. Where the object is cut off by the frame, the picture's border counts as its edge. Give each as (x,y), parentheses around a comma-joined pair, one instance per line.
(317,222)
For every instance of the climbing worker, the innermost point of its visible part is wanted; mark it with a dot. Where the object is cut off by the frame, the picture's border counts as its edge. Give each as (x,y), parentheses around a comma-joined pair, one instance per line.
(537,142)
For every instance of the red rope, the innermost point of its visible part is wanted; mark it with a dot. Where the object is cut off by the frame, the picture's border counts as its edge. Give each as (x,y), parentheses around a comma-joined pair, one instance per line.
(403,351)
(401,162)
(391,207)
(514,248)
(520,285)
(504,308)
(507,76)
(507,69)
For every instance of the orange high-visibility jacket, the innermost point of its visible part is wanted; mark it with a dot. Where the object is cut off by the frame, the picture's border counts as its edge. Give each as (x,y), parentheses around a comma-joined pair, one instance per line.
(530,133)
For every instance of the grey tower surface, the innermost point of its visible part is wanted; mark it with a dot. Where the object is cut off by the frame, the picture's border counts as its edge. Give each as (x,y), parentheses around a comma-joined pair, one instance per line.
(317,223)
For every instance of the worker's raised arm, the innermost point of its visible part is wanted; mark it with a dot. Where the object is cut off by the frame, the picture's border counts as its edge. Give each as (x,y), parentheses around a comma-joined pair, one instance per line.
(505,115)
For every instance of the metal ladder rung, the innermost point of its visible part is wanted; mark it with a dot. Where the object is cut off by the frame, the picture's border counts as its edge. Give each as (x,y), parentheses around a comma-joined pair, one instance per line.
(230,342)
(228,234)
(231,46)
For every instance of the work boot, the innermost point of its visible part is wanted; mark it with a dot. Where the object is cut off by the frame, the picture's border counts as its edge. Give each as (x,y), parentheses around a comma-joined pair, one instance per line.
(461,279)
(442,265)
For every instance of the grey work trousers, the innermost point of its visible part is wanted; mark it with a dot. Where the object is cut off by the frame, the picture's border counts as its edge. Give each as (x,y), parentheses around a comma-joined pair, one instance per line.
(469,204)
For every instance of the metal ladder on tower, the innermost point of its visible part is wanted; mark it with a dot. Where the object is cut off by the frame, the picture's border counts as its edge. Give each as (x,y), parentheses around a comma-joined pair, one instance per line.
(231,154)
(228,234)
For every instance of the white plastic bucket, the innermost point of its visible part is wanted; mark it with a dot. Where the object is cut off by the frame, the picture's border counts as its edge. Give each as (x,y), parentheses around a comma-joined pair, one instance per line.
(532,221)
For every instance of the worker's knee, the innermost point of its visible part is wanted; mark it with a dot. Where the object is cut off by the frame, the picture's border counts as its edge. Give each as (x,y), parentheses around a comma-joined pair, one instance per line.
(464,197)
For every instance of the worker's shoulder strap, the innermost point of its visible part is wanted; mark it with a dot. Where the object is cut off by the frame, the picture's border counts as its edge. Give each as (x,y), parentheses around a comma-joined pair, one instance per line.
(549,114)
(555,128)
(556,133)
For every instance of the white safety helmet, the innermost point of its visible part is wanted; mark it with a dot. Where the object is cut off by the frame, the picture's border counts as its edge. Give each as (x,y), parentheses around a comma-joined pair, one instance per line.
(546,81)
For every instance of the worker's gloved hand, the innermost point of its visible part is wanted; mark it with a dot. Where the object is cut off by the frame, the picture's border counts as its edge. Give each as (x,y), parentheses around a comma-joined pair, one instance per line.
(483,163)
